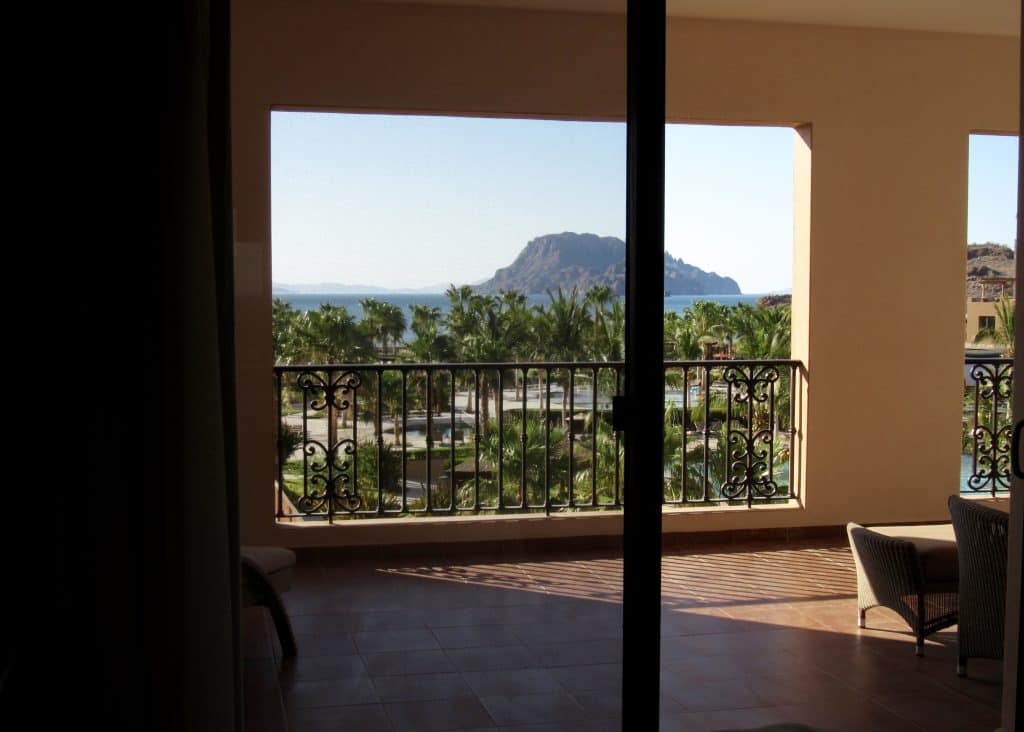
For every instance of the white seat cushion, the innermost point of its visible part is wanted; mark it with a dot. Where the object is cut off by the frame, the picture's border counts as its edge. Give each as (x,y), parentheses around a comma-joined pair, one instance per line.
(277,563)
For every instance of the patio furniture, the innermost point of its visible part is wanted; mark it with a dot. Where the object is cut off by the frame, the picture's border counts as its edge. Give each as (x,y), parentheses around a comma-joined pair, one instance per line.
(909,569)
(981,536)
(267,571)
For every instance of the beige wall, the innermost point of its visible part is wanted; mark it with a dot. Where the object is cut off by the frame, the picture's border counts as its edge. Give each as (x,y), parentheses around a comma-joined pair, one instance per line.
(884,193)
(976,309)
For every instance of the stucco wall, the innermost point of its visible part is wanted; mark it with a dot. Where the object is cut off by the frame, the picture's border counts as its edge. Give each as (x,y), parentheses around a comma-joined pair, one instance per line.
(882,194)
(975,310)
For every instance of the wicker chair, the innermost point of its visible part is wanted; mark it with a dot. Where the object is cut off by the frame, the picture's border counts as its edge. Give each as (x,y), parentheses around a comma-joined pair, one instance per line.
(909,569)
(981,535)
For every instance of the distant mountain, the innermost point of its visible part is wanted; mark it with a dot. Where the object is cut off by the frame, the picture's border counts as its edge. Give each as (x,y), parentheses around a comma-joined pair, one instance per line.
(570,260)
(987,260)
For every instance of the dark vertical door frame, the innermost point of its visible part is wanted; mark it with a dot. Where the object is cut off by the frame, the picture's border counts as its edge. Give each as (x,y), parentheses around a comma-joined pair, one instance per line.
(1012,677)
(642,410)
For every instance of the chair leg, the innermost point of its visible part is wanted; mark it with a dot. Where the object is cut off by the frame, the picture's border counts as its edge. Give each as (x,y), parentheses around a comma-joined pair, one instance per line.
(861,623)
(919,647)
(961,665)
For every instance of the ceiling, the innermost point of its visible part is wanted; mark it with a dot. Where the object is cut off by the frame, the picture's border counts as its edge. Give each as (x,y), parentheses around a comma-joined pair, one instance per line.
(986,17)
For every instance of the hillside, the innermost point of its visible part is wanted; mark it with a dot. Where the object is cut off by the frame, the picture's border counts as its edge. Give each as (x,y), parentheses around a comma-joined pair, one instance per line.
(570,260)
(987,260)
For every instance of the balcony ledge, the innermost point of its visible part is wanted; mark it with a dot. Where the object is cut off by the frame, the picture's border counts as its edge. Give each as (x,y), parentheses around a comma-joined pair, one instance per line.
(597,529)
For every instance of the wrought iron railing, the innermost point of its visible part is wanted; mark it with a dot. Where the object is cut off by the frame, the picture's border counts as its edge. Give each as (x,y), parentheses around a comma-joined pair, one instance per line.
(987,425)
(376,440)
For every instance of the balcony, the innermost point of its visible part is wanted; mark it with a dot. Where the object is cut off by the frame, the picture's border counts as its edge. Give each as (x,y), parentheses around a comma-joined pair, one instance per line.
(405,440)
(533,641)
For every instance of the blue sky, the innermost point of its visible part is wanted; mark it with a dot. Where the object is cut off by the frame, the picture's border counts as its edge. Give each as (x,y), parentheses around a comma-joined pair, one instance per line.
(409,201)
(992,189)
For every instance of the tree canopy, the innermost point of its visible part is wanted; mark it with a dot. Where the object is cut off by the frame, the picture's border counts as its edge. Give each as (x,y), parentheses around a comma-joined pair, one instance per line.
(571,326)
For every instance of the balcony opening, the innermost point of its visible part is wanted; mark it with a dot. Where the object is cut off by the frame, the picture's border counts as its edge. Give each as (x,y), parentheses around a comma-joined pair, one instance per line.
(729,199)
(448,317)
(989,314)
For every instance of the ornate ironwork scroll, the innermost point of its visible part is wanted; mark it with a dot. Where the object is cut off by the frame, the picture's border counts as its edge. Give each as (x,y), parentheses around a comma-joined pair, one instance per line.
(750,434)
(329,484)
(992,425)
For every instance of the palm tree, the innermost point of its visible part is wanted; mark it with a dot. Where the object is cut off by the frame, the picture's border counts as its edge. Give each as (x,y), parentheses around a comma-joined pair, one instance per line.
(392,325)
(1002,333)
(762,332)
(331,335)
(608,337)
(459,324)
(371,321)
(495,329)
(459,321)
(605,458)
(681,343)
(429,346)
(382,320)
(562,328)
(520,332)
(284,330)
(706,318)
(706,321)
(508,449)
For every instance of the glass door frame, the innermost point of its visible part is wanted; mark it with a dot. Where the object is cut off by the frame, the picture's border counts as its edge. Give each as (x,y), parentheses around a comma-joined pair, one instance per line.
(639,412)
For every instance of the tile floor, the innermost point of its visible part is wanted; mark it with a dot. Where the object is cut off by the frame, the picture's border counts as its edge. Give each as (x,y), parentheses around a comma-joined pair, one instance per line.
(751,635)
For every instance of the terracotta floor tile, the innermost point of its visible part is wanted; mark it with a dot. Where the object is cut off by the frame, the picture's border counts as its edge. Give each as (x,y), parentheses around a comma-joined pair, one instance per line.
(321,668)
(606,677)
(519,682)
(714,644)
(318,623)
(599,704)
(356,718)
(490,658)
(938,710)
(697,621)
(399,663)
(533,708)
(796,687)
(753,634)
(324,644)
(597,651)
(679,667)
(851,717)
(422,687)
(434,716)
(580,631)
(378,641)
(699,695)
(474,636)
(489,615)
(720,721)
(330,693)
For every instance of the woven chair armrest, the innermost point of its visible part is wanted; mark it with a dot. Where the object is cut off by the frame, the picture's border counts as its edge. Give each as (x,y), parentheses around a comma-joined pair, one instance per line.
(888,564)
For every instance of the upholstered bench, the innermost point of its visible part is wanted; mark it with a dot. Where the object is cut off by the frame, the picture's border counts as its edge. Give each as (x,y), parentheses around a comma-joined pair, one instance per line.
(912,570)
(267,571)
